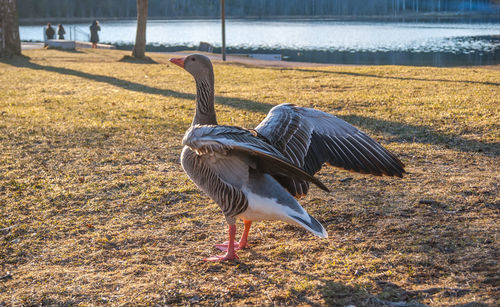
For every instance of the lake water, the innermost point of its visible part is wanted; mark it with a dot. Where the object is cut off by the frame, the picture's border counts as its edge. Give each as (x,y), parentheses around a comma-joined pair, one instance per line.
(318,41)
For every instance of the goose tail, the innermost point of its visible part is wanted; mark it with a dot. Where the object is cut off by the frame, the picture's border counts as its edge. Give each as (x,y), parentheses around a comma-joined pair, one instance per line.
(309,223)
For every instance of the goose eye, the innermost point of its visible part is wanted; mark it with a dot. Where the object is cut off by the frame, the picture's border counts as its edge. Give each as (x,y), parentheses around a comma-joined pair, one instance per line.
(193,59)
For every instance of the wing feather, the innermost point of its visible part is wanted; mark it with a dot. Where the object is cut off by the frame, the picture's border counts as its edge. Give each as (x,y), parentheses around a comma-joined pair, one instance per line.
(229,140)
(309,138)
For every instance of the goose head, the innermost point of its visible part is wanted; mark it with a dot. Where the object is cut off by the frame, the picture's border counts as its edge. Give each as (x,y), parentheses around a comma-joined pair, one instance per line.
(198,65)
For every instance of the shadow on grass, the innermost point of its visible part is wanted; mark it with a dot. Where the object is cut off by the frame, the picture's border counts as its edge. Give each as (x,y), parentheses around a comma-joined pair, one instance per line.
(391,77)
(429,254)
(422,134)
(239,103)
(65,50)
(339,294)
(133,60)
(404,132)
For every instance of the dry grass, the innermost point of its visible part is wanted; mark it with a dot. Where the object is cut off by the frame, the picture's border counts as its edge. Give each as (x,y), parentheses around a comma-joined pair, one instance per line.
(95,208)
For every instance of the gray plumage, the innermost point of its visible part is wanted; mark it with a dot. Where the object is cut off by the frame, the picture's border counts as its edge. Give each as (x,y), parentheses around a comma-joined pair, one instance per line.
(310,138)
(222,161)
(252,174)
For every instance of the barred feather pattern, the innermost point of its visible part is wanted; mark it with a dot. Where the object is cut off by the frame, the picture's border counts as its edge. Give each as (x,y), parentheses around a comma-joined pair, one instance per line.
(295,142)
(236,134)
(310,138)
(230,199)
(205,94)
(219,158)
(232,144)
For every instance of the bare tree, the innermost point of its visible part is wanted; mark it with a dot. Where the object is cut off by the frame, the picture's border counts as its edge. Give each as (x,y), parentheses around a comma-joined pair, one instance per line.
(10,43)
(140,37)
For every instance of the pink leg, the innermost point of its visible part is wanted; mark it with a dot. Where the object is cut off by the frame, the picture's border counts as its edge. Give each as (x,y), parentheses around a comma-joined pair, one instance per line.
(230,254)
(243,241)
(244,237)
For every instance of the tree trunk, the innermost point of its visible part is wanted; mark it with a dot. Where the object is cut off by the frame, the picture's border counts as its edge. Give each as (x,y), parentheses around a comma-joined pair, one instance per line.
(140,38)
(10,43)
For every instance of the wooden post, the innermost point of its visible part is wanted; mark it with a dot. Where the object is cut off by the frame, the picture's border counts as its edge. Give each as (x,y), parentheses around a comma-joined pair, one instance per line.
(223,22)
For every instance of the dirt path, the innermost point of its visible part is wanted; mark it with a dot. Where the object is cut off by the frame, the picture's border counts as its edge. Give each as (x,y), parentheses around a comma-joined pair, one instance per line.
(241,59)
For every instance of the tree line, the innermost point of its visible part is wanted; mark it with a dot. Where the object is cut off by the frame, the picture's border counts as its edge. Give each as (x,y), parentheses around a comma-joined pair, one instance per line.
(246,8)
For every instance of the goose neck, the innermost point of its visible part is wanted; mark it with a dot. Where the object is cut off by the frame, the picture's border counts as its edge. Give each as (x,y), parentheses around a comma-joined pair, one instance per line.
(205,110)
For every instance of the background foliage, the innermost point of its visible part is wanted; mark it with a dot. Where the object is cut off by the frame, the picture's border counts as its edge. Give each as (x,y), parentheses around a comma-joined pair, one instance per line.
(245,8)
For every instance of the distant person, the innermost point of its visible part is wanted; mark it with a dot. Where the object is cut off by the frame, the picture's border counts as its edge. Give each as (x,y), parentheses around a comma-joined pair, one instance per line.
(49,31)
(60,31)
(94,36)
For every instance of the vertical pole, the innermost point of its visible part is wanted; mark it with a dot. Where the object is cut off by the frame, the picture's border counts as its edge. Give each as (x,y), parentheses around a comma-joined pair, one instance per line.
(223,22)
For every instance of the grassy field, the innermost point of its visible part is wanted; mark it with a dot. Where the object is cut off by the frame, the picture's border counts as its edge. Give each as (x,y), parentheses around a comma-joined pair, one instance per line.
(95,208)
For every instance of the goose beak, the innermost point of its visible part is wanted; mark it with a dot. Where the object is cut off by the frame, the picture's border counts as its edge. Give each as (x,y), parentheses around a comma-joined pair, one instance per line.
(178,61)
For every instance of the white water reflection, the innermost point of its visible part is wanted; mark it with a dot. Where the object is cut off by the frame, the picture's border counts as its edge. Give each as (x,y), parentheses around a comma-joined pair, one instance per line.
(303,35)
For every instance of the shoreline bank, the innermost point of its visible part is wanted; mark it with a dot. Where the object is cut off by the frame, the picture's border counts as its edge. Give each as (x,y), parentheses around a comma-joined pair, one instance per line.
(294,58)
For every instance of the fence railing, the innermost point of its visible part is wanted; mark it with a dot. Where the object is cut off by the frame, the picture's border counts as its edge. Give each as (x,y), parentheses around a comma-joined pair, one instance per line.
(72,33)
(79,34)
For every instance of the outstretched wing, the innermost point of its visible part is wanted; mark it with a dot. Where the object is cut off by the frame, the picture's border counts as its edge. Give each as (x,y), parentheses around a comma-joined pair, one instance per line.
(309,138)
(241,144)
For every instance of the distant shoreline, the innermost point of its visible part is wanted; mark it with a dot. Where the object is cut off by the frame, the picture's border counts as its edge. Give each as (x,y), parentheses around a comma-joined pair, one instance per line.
(325,57)
(420,17)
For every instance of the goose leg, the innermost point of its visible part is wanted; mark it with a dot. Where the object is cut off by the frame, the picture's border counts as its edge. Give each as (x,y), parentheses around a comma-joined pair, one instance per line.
(230,254)
(243,241)
(244,237)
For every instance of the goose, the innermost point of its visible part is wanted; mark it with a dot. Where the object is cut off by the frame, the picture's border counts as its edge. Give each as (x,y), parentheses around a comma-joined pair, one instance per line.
(258,174)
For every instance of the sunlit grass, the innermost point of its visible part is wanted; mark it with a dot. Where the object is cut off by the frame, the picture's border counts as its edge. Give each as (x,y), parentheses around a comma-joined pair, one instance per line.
(95,208)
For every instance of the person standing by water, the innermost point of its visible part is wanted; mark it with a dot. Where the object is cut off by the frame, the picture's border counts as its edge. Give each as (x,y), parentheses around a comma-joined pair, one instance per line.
(94,36)
(49,31)
(60,31)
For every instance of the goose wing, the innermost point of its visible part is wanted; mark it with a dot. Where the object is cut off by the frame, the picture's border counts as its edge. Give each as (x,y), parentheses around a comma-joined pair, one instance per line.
(229,143)
(309,138)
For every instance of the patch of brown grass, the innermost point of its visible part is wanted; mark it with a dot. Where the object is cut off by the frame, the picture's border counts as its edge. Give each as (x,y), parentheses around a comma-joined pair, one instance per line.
(95,208)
